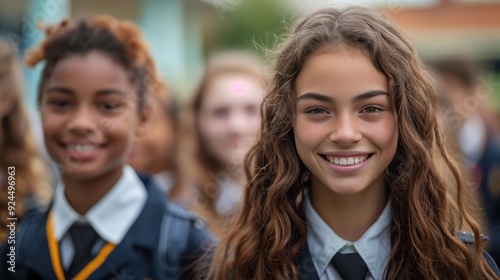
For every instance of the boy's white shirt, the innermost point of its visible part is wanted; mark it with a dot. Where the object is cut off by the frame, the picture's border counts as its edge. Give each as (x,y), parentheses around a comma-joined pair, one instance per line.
(373,247)
(111,217)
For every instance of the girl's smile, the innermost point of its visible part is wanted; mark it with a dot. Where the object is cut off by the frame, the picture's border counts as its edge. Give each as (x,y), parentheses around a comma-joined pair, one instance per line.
(346,162)
(81,151)
(90,115)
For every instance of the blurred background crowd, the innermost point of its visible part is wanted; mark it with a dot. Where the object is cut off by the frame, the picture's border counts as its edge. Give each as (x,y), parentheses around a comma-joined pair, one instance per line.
(215,57)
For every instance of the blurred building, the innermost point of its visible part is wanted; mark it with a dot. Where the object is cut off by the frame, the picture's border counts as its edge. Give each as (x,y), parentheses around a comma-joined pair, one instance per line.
(454,28)
(447,27)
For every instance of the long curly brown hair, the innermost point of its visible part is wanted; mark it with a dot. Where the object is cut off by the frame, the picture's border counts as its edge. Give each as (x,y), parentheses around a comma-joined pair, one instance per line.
(18,148)
(428,190)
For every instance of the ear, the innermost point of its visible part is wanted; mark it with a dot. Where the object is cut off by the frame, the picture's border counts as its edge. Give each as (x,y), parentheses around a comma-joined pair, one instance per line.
(145,119)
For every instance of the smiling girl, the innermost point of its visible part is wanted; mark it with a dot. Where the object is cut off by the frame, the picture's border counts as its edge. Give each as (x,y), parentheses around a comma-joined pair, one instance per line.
(351,178)
(105,220)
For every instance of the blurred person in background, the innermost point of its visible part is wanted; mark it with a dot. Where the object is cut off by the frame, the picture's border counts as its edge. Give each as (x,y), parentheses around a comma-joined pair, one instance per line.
(471,123)
(156,152)
(19,154)
(224,123)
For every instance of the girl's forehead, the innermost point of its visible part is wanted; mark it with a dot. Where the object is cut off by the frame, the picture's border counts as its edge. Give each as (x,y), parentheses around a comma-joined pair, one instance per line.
(233,88)
(92,67)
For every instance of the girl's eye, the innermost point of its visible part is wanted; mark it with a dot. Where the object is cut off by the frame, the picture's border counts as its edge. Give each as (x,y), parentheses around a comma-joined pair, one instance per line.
(372,110)
(221,112)
(252,110)
(59,103)
(316,111)
(109,106)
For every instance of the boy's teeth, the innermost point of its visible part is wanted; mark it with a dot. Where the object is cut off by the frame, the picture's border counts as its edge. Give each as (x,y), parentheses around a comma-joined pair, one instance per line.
(346,160)
(81,148)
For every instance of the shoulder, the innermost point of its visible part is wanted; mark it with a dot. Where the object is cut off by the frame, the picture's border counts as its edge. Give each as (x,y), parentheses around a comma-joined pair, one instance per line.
(489,259)
(195,228)
(184,240)
(180,229)
(468,238)
(32,222)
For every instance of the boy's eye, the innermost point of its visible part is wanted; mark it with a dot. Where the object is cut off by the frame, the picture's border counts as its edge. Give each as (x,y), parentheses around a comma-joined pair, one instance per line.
(371,109)
(316,111)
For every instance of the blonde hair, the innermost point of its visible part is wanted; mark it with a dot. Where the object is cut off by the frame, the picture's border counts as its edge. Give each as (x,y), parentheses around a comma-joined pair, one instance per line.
(17,144)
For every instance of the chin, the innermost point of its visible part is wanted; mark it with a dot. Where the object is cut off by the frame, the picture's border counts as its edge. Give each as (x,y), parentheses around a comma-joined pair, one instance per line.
(350,188)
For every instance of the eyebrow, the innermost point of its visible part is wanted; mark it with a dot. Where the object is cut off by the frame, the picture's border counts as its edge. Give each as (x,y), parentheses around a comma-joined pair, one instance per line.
(316,96)
(368,95)
(69,91)
(329,99)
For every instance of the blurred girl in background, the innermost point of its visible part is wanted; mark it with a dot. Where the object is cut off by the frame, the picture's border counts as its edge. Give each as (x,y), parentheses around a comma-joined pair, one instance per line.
(18,148)
(157,152)
(225,119)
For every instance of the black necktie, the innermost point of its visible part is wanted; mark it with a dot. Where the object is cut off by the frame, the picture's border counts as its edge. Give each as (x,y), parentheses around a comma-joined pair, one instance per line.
(350,266)
(83,237)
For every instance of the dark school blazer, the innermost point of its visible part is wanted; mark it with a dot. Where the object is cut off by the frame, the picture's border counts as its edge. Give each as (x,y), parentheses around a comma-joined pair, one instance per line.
(307,271)
(140,255)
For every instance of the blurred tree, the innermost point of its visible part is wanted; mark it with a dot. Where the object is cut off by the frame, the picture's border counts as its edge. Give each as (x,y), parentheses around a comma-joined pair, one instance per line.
(243,24)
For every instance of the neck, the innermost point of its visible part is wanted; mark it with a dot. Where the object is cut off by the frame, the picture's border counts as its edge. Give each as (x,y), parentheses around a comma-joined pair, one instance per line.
(83,194)
(349,216)
(238,175)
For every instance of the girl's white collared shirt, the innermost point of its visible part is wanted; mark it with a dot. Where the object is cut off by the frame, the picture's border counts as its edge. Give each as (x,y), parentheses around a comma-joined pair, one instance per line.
(374,246)
(111,217)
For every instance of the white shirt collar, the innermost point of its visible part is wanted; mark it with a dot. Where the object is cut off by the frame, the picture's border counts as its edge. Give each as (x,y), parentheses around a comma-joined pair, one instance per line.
(112,216)
(324,243)
(230,195)
(165,181)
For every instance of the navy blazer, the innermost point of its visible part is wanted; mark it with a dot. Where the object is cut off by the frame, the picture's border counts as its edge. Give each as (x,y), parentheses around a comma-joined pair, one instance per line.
(136,257)
(307,271)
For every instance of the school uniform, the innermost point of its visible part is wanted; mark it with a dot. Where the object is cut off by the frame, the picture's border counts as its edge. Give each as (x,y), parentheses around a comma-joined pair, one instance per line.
(315,261)
(489,166)
(140,235)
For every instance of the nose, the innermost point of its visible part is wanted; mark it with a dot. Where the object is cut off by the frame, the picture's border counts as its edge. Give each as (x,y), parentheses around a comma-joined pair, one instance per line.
(238,122)
(82,121)
(346,130)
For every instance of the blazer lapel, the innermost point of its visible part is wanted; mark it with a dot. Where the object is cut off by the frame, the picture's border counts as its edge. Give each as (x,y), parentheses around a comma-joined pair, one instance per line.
(306,265)
(39,257)
(142,235)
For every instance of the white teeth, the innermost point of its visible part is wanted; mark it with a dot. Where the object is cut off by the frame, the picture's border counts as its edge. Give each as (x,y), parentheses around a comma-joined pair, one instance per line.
(81,148)
(347,160)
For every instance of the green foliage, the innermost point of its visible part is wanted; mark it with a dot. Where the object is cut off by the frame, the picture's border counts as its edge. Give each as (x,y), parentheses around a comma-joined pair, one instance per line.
(249,23)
